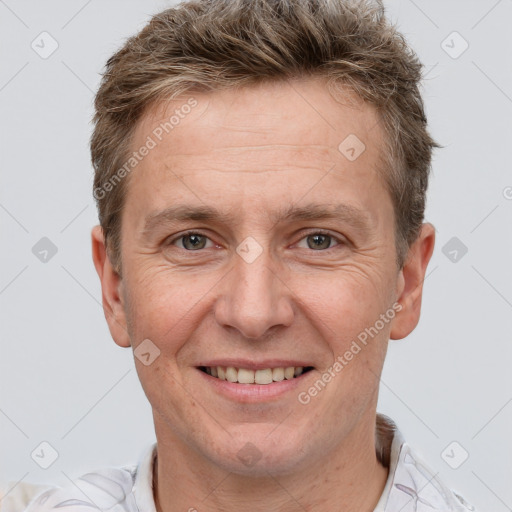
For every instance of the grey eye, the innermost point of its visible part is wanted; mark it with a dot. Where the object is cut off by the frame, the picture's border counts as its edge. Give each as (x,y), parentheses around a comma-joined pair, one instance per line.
(193,241)
(319,241)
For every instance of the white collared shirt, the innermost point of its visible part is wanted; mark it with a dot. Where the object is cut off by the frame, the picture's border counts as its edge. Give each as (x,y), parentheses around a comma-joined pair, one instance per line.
(411,487)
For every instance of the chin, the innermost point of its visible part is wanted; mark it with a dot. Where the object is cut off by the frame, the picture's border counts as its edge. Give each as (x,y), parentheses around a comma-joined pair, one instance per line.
(261,454)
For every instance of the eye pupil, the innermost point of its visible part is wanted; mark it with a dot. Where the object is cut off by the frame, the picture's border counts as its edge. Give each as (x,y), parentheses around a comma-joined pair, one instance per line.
(320,241)
(196,241)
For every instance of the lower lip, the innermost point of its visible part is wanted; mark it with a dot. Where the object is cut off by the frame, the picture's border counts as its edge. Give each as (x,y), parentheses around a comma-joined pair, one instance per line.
(249,393)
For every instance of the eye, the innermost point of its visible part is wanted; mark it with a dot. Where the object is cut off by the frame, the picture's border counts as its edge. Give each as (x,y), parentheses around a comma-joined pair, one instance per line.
(319,240)
(191,241)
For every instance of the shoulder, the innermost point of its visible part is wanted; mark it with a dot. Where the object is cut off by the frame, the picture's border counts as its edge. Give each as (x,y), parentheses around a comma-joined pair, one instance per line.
(116,489)
(411,483)
(415,481)
(15,496)
(104,489)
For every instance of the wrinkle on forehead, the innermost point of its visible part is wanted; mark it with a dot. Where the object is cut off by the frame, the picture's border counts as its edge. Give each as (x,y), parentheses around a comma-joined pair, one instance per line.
(271,129)
(246,110)
(265,154)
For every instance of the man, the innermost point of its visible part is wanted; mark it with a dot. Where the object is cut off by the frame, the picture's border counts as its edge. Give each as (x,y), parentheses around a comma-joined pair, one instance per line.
(260,174)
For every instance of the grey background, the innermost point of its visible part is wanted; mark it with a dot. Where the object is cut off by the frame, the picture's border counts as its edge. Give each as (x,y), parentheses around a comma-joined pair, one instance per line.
(62,378)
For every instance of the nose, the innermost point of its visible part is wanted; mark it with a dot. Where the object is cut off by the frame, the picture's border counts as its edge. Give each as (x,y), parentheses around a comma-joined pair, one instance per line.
(254,298)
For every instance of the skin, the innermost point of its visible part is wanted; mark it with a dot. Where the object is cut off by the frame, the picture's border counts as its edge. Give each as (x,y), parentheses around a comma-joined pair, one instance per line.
(251,153)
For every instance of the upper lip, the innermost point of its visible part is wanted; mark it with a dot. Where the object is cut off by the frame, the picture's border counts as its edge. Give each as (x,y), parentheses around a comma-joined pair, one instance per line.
(250,364)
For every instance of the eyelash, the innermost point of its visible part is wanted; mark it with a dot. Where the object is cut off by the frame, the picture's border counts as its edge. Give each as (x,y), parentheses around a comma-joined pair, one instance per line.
(314,232)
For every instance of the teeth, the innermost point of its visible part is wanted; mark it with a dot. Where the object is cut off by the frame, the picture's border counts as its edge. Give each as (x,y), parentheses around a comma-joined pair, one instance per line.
(263,376)
(245,376)
(278,374)
(289,372)
(231,374)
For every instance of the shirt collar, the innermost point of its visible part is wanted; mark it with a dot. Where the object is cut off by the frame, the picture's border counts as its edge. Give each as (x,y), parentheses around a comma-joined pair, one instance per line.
(143,484)
(392,449)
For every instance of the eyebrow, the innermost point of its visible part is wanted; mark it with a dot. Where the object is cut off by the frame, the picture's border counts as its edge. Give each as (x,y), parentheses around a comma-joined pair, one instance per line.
(179,213)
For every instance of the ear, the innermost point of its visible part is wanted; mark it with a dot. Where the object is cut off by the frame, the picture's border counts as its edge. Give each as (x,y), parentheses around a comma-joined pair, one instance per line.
(111,284)
(410,283)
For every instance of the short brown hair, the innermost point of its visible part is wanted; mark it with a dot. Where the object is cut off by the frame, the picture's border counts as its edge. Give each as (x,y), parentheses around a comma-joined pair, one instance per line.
(209,45)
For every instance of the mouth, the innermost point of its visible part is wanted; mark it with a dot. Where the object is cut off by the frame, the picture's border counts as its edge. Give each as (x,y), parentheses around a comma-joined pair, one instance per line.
(262,377)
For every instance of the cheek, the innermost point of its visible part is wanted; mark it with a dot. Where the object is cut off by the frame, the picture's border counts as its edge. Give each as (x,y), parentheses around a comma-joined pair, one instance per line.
(162,302)
(344,302)
(163,388)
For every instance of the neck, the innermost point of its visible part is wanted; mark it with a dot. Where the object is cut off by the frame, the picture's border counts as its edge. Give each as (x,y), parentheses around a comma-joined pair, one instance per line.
(350,478)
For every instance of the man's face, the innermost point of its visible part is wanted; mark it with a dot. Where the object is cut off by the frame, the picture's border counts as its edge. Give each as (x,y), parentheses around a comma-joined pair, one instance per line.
(264,282)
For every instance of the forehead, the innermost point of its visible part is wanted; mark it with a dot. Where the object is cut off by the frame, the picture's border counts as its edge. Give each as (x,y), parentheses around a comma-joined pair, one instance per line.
(287,109)
(275,139)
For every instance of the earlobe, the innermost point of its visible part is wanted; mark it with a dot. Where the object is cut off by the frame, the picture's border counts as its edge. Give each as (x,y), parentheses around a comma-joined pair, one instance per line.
(112,300)
(411,280)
